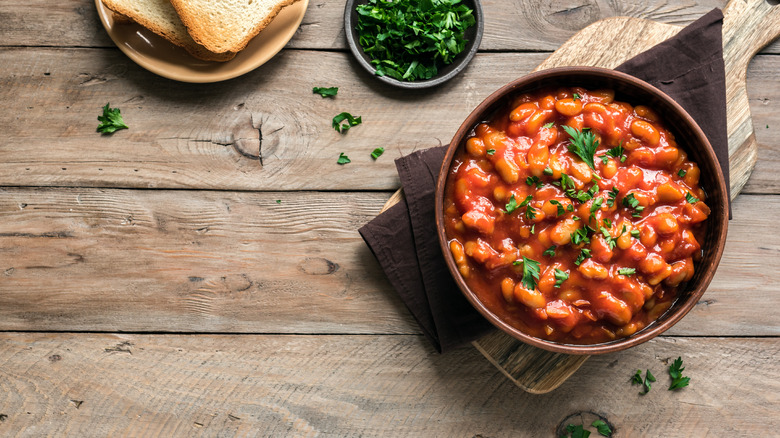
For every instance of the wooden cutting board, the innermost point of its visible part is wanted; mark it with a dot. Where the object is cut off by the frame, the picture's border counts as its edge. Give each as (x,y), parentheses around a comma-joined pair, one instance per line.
(748,26)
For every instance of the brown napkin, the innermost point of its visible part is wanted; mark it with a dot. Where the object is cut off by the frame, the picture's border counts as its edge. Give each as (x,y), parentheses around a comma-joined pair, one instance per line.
(688,67)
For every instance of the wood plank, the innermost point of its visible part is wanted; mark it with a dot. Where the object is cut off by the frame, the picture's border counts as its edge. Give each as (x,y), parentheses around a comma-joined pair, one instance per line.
(214,138)
(516,25)
(205,261)
(173,385)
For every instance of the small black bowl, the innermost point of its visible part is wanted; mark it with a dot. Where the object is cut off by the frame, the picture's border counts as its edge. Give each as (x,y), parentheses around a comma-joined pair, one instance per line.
(473,36)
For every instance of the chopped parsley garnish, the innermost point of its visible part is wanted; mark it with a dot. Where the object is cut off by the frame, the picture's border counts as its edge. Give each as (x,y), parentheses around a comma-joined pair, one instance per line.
(584,254)
(637,379)
(681,173)
(547,171)
(576,96)
(549,125)
(612,195)
(577,431)
(560,277)
(410,40)
(631,201)
(111,121)
(559,205)
(607,223)
(511,205)
(530,212)
(570,207)
(595,207)
(491,151)
(533,228)
(534,180)
(550,252)
(690,198)
(616,152)
(325,92)
(343,159)
(626,271)
(376,153)
(583,144)
(530,273)
(602,427)
(611,242)
(349,120)
(675,372)
(526,201)
(580,236)
(635,233)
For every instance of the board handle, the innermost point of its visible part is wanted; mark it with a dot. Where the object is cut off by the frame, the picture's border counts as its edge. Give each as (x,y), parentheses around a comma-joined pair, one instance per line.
(748,26)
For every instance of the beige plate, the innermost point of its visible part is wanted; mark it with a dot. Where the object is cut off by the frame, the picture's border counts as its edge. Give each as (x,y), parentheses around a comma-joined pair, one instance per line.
(165,59)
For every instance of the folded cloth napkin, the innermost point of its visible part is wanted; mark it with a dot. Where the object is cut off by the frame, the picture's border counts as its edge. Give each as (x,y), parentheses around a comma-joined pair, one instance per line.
(688,67)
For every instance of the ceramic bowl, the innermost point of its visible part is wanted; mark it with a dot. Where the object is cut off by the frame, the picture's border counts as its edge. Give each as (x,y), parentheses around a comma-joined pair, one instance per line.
(688,135)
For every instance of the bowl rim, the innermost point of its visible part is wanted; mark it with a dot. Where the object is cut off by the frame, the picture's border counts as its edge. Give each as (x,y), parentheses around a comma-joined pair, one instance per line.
(718,194)
(459,64)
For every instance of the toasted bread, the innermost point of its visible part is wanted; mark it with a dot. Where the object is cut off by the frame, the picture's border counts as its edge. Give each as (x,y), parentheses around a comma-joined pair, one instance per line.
(227,25)
(160,17)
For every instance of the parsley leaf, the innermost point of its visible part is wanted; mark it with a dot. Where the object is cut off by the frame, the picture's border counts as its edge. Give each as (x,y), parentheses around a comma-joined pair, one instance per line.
(627,271)
(690,198)
(534,180)
(583,144)
(595,207)
(325,92)
(111,121)
(547,171)
(343,159)
(278,201)
(549,125)
(631,201)
(580,236)
(608,238)
(550,252)
(612,195)
(635,233)
(559,205)
(637,379)
(681,173)
(530,273)
(576,96)
(560,277)
(350,122)
(511,205)
(376,153)
(602,427)
(577,431)
(584,254)
(617,152)
(675,372)
(491,151)
(410,40)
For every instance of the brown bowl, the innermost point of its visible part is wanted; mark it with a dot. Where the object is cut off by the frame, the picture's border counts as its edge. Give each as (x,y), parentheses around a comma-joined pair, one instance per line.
(687,132)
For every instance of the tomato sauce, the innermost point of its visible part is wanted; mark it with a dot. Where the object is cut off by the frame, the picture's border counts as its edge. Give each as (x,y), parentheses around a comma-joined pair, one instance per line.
(563,248)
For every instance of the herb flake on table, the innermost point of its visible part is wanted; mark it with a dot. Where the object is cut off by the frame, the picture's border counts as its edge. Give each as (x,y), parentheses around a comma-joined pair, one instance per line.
(602,427)
(343,159)
(376,153)
(410,40)
(646,382)
(111,120)
(675,372)
(576,431)
(325,92)
(344,121)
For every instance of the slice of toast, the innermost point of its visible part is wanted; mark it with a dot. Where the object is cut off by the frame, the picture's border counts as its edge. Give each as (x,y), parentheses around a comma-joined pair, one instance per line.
(227,25)
(160,17)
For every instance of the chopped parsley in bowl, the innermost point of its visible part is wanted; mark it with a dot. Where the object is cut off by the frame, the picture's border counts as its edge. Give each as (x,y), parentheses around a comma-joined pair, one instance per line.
(413,43)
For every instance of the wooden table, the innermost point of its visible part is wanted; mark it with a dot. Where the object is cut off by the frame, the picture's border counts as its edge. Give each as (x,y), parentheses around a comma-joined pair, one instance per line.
(201,274)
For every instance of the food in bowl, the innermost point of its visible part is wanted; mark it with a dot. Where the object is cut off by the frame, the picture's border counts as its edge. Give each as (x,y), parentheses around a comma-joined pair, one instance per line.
(573,217)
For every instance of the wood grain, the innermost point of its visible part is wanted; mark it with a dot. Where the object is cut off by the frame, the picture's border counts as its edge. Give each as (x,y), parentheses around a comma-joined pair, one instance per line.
(350,386)
(206,261)
(213,141)
(511,25)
